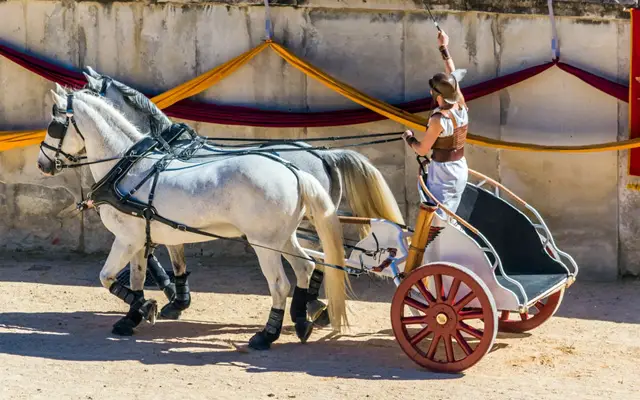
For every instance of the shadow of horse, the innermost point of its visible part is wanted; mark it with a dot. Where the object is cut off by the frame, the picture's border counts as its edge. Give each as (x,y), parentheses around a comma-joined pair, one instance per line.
(80,336)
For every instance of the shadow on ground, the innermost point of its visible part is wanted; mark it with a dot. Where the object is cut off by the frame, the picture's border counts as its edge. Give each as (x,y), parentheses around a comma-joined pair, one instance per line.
(80,336)
(608,301)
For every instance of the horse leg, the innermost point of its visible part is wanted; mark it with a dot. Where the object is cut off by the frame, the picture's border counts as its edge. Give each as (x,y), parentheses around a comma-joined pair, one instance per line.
(271,265)
(182,299)
(139,307)
(303,269)
(160,277)
(317,309)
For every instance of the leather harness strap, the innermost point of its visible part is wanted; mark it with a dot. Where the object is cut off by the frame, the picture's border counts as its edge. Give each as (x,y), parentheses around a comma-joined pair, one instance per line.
(450,148)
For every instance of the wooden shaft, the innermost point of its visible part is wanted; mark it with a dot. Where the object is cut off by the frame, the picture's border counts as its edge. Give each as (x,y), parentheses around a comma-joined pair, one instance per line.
(420,237)
(355,220)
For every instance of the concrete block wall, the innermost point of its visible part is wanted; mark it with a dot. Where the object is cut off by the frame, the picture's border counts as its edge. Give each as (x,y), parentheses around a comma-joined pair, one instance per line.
(388,50)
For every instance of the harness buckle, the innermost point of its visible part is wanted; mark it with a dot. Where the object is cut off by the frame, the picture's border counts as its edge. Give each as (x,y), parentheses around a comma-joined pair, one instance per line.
(58,164)
(181,227)
(148,213)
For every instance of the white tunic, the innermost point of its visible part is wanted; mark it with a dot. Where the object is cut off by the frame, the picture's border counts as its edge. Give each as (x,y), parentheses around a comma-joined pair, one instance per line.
(447,180)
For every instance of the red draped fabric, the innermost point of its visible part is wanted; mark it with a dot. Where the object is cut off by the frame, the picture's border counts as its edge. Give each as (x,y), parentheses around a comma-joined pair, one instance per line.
(246,116)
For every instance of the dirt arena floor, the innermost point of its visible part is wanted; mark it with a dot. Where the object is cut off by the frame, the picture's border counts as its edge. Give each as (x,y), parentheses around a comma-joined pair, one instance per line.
(56,343)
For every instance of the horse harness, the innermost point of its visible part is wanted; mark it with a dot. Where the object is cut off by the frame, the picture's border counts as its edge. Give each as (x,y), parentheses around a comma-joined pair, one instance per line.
(58,130)
(106,190)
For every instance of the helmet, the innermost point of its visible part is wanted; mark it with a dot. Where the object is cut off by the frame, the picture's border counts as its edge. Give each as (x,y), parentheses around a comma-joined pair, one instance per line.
(446,86)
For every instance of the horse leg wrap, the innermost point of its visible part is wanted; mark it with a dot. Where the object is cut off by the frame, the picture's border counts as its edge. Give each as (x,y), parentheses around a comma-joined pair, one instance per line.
(139,309)
(161,277)
(271,332)
(298,312)
(316,308)
(181,301)
(124,293)
(314,285)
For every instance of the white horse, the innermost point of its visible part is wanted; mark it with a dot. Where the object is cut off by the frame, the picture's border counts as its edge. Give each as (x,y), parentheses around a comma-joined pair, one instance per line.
(367,192)
(229,196)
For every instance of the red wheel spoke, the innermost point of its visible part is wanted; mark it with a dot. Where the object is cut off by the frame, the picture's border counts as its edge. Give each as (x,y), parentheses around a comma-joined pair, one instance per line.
(470,315)
(463,344)
(416,304)
(425,293)
(434,346)
(412,320)
(539,304)
(524,316)
(445,334)
(453,291)
(477,333)
(439,289)
(419,337)
(448,346)
(464,301)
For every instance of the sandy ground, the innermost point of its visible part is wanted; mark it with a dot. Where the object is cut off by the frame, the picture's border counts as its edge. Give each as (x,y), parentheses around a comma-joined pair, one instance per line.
(55,343)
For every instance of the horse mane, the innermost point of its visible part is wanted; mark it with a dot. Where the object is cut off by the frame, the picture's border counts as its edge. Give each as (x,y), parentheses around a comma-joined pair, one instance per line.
(109,114)
(158,121)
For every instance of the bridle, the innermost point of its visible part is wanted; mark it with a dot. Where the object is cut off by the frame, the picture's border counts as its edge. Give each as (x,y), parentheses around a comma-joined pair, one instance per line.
(58,130)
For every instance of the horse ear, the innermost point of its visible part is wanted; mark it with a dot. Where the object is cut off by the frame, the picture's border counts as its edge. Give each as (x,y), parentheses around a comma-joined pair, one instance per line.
(60,90)
(60,101)
(92,72)
(94,83)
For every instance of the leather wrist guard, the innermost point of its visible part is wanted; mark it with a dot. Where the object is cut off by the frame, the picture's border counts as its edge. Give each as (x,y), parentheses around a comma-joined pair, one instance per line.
(444,51)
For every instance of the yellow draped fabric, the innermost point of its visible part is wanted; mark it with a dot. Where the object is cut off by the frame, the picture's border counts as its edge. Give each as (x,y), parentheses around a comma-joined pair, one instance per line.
(411,120)
(14,139)
(206,80)
(10,140)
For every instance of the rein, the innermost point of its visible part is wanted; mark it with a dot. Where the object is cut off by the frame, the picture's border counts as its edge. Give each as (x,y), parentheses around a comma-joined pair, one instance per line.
(105,191)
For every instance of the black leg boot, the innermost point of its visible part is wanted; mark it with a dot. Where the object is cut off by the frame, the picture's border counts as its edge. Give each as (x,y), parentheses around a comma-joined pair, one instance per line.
(161,277)
(317,309)
(181,301)
(298,310)
(139,309)
(271,332)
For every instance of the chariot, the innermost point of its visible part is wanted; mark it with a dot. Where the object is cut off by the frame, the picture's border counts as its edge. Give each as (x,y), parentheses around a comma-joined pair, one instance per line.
(492,266)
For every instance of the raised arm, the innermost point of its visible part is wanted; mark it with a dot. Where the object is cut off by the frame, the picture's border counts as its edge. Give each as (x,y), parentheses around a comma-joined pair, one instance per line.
(443,42)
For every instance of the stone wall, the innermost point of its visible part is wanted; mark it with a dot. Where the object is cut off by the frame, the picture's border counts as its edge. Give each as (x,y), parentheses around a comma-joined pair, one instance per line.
(385,48)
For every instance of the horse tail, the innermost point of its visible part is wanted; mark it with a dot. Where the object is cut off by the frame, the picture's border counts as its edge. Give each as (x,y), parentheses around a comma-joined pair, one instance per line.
(367,192)
(325,218)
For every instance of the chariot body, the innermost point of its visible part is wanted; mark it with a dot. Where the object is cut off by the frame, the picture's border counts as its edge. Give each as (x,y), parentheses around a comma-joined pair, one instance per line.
(493,266)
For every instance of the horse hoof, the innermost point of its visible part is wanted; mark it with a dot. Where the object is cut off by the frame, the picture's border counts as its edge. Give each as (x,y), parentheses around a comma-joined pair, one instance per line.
(169,311)
(150,311)
(323,319)
(304,329)
(124,327)
(259,342)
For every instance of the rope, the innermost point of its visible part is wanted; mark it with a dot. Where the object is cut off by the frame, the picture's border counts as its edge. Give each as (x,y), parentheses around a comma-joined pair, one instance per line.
(322,139)
(555,44)
(267,20)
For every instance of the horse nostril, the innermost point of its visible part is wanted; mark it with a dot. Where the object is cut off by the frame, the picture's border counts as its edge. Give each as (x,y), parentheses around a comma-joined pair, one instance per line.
(43,169)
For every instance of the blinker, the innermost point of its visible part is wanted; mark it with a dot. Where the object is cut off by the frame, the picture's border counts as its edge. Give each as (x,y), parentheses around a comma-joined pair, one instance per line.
(57,130)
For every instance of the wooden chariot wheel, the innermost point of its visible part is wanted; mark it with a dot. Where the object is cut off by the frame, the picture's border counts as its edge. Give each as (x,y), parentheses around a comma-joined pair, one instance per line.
(537,314)
(442,335)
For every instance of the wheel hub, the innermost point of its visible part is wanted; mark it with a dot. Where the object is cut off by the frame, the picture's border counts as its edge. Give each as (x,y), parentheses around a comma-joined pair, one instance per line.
(442,318)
